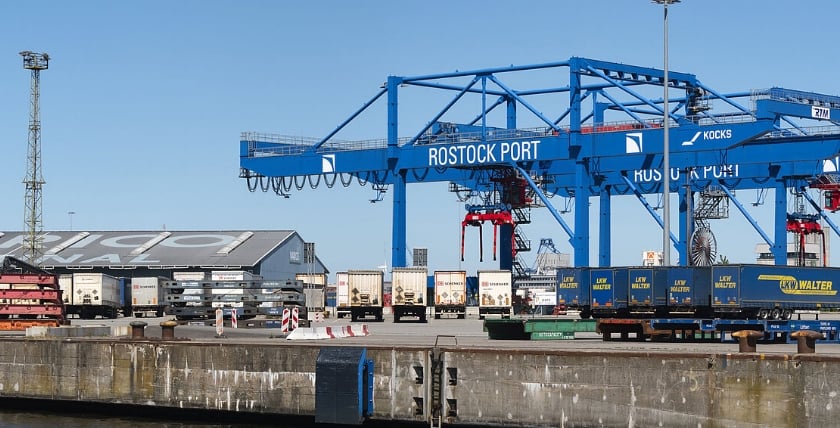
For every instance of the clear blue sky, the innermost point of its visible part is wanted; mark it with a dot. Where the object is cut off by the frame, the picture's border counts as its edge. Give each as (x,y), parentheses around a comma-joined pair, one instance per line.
(144,102)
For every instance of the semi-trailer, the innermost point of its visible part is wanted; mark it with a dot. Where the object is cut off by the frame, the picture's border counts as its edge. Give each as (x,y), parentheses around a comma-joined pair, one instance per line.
(408,287)
(95,294)
(366,290)
(495,288)
(342,295)
(147,296)
(773,292)
(451,293)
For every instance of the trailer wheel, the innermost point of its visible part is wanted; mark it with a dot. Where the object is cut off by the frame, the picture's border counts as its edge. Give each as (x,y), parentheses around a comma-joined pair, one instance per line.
(462,316)
(775,314)
(437,316)
(158,314)
(787,314)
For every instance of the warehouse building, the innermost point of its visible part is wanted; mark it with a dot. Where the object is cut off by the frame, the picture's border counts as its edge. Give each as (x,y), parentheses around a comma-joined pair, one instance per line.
(271,254)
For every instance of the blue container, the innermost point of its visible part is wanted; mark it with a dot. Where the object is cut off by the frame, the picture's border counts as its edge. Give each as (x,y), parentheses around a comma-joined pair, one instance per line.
(609,289)
(641,288)
(681,288)
(124,291)
(573,287)
(330,298)
(726,282)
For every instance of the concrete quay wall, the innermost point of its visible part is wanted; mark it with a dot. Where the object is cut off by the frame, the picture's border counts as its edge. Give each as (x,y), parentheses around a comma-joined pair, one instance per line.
(480,386)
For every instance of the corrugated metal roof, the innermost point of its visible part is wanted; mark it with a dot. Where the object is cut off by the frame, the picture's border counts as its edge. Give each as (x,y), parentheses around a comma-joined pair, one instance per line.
(152,249)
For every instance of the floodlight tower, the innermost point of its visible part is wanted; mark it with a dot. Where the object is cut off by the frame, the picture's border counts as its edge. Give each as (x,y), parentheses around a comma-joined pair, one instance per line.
(666,164)
(34,180)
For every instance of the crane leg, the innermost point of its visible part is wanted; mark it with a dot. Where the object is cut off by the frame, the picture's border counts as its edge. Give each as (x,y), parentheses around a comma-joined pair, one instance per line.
(825,263)
(463,229)
(494,242)
(480,244)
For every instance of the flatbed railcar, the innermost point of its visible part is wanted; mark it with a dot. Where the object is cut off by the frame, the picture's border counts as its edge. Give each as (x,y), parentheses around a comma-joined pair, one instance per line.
(743,291)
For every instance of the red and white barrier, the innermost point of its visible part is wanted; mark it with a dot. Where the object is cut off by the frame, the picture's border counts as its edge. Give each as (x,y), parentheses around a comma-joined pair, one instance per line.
(319,316)
(289,321)
(284,321)
(294,318)
(336,332)
(233,322)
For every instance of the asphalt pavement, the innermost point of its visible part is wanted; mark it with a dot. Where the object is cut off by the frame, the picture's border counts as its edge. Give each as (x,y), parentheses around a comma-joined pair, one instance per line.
(445,332)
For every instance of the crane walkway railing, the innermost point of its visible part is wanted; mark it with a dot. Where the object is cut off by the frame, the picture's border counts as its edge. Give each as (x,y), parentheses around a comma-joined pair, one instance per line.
(266,145)
(794,96)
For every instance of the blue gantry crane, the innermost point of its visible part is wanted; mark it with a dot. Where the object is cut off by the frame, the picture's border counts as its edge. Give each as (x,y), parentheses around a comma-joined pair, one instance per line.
(509,138)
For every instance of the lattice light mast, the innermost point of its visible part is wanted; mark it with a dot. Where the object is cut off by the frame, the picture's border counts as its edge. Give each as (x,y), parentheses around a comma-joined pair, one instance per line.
(34,180)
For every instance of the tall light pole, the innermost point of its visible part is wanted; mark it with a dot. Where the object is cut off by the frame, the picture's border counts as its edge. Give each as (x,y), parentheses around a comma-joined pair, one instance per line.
(34,180)
(70,213)
(666,162)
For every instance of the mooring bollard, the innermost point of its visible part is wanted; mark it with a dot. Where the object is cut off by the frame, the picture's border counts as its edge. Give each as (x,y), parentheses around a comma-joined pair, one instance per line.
(167,330)
(747,339)
(138,329)
(806,340)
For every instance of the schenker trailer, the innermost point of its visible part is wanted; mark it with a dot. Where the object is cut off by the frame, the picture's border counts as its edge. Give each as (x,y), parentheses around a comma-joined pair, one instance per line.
(147,296)
(495,288)
(451,293)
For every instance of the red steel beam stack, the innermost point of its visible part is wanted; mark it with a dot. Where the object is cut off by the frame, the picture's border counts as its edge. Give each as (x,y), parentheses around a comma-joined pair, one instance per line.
(29,297)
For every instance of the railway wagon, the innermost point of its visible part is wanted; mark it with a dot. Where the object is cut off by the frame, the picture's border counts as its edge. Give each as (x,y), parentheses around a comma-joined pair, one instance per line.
(573,290)
(773,292)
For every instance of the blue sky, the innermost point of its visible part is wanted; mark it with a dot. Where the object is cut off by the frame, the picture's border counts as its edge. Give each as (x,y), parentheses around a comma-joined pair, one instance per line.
(144,102)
